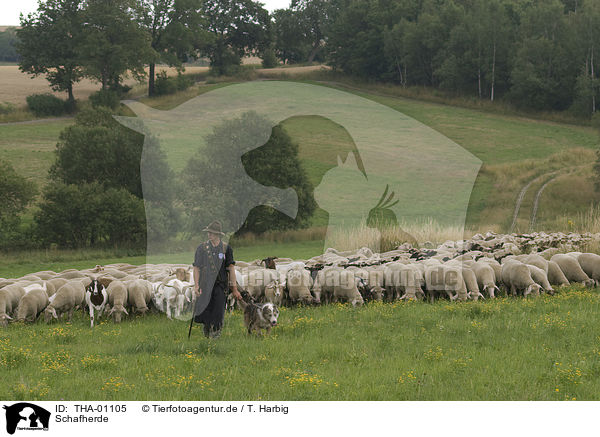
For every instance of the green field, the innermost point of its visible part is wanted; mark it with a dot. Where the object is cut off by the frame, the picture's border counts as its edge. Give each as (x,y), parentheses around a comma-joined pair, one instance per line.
(503,142)
(545,348)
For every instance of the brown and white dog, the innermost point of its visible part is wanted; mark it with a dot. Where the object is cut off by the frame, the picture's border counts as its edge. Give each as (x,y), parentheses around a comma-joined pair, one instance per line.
(259,316)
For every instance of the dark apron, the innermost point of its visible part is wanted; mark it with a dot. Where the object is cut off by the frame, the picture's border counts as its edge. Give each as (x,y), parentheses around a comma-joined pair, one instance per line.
(209,307)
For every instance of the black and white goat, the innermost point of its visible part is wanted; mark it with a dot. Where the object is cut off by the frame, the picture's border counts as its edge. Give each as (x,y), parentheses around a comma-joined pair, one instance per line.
(96,298)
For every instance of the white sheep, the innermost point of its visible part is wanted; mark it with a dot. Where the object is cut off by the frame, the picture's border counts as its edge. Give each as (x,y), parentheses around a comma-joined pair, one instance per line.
(345,289)
(117,299)
(537,260)
(540,278)
(590,263)
(572,269)
(10,296)
(139,294)
(68,297)
(445,279)
(32,304)
(517,277)
(486,278)
(299,283)
(259,279)
(556,275)
(471,283)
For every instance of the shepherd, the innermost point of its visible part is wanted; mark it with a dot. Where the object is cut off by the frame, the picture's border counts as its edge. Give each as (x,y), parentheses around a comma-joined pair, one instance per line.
(212,262)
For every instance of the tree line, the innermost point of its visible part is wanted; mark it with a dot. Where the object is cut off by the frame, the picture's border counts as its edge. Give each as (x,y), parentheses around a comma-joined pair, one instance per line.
(538,54)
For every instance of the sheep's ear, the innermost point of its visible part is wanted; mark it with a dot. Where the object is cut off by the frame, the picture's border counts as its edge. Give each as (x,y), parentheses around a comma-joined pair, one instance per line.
(8,317)
(54,313)
(125,311)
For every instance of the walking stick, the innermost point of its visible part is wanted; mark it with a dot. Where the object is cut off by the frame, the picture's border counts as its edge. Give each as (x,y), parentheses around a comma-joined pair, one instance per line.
(191,324)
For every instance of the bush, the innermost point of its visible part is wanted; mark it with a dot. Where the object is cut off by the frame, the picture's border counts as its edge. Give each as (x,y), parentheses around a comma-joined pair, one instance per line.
(16,193)
(269,59)
(46,104)
(164,84)
(107,98)
(6,108)
(170,85)
(88,214)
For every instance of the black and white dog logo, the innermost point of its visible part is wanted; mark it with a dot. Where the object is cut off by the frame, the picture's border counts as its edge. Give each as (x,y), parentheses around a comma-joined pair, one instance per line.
(26,416)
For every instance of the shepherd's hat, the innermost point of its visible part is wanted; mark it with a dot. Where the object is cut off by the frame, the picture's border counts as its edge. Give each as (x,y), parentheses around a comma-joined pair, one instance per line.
(214,227)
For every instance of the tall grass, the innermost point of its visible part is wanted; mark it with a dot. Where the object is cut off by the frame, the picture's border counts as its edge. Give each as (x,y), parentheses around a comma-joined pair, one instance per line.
(389,237)
(288,236)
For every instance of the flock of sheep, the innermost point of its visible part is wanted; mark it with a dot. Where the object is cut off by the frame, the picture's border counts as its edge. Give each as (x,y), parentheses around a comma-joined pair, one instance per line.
(480,267)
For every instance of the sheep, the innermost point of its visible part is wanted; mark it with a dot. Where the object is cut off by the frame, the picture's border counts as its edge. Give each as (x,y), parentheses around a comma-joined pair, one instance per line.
(30,278)
(71,274)
(495,265)
(375,281)
(486,278)
(572,270)
(538,261)
(54,284)
(517,277)
(45,275)
(555,275)
(139,294)
(68,297)
(32,304)
(471,283)
(540,278)
(590,263)
(346,289)
(117,299)
(299,284)
(259,279)
(10,296)
(402,278)
(447,279)
(323,284)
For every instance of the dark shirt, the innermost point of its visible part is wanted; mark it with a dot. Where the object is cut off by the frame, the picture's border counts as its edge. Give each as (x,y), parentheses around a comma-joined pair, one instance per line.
(213,262)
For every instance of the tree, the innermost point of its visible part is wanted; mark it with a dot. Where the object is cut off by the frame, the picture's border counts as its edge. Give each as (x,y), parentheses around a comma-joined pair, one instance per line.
(238,28)
(175,29)
(276,164)
(475,55)
(8,41)
(315,17)
(88,214)
(211,190)
(16,193)
(48,43)
(113,44)
(291,42)
(544,72)
(586,25)
(99,149)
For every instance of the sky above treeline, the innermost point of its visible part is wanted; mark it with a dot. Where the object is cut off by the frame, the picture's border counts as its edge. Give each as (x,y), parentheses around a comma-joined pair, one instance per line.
(10,10)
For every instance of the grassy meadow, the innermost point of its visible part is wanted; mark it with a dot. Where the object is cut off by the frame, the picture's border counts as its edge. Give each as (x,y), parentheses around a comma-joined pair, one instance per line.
(515,150)
(545,348)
